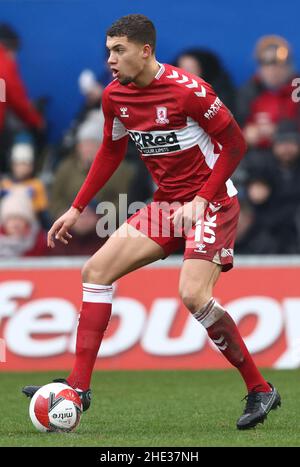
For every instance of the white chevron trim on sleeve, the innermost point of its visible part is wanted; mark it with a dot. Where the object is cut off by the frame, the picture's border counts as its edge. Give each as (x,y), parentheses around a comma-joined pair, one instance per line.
(185,79)
(174,75)
(193,84)
(202,93)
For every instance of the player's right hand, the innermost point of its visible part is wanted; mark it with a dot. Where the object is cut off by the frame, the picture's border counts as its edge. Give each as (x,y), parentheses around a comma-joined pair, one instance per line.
(60,228)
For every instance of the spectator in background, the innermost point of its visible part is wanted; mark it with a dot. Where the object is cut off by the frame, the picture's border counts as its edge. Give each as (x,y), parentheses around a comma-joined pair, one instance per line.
(285,166)
(73,170)
(257,224)
(85,241)
(141,186)
(207,65)
(15,93)
(281,163)
(285,172)
(267,97)
(22,174)
(20,233)
(271,217)
(91,89)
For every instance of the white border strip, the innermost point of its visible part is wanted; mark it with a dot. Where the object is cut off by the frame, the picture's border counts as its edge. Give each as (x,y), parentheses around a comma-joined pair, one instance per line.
(75,262)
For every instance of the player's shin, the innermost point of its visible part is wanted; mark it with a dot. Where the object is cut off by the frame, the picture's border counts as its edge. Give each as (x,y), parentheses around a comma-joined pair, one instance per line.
(224,333)
(94,317)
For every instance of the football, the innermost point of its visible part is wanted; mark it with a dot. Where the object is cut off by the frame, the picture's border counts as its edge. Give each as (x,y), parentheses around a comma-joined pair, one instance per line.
(55,407)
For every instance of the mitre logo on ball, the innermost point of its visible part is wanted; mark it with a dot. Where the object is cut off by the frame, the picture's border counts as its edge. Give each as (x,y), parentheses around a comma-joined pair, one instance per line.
(55,407)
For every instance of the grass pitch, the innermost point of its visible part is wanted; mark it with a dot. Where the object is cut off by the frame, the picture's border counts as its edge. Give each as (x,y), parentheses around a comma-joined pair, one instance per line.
(157,408)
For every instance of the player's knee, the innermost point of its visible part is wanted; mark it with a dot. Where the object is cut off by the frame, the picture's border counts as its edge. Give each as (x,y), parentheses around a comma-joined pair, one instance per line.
(191,302)
(95,274)
(194,299)
(87,272)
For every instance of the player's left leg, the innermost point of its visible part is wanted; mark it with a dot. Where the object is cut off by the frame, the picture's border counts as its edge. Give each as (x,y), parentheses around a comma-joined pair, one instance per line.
(209,249)
(197,280)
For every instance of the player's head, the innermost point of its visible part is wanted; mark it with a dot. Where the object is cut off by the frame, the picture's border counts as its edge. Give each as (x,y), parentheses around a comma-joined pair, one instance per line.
(131,42)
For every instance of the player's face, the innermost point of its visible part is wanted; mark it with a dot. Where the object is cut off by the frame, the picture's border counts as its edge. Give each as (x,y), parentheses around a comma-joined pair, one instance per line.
(126,59)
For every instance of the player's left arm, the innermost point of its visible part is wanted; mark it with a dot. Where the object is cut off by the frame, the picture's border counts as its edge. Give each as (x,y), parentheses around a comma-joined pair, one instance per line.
(214,117)
(233,149)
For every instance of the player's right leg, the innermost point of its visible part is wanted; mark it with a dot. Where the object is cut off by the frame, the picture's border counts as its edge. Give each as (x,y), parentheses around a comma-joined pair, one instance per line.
(126,250)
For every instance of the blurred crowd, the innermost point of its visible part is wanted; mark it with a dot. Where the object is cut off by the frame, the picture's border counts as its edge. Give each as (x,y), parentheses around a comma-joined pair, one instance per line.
(39,181)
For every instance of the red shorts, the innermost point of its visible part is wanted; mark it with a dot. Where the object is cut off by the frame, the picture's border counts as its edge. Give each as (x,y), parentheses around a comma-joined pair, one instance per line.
(211,239)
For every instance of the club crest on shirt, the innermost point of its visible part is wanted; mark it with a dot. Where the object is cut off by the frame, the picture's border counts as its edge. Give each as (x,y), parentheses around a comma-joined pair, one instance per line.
(161,113)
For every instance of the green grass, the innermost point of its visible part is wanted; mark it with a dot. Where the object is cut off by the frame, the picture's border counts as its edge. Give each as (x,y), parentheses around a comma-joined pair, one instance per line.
(157,408)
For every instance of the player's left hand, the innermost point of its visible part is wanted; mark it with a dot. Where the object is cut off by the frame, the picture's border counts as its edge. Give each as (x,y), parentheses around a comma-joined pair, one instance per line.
(187,215)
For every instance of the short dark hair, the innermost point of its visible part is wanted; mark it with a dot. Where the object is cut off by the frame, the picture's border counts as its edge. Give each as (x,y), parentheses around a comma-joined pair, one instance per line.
(137,28)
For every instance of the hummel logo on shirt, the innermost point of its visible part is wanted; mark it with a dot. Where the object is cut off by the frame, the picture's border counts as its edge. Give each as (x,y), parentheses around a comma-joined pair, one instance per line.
(123,111)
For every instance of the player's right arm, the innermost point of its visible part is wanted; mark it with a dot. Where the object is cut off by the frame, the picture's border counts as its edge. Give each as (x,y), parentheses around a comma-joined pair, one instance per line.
(107,160)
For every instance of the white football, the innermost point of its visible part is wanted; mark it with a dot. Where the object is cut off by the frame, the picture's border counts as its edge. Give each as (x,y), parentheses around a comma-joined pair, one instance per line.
(55,407)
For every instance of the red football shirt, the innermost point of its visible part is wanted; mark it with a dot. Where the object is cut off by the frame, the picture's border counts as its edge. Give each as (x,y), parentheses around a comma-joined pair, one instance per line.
(172,122)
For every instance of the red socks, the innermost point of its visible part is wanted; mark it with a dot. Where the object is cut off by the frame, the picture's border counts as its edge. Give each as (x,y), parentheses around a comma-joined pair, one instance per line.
(93,321)
(225,334)
(94,318)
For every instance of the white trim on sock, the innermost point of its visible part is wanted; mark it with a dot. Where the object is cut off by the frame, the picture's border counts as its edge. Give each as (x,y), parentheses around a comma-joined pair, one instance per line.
(210,313)
(95,293)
